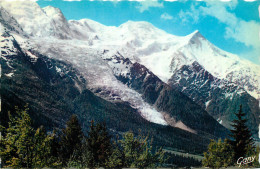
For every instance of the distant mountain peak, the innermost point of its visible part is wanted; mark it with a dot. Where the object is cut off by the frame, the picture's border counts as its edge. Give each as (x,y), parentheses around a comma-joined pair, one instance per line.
(196,35)
(142,23)
(134,25)
(8,23)
(140,41)
(52,11)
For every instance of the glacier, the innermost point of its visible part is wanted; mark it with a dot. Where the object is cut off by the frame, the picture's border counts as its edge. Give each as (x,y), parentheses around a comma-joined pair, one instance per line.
(83,43)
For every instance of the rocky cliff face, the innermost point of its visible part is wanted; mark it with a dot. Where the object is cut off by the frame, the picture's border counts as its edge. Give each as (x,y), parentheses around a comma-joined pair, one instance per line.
(218,97)
(177,109)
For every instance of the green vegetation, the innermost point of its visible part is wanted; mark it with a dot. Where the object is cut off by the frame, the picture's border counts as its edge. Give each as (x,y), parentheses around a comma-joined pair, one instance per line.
(138,152)
(181,160)
(71,141)
(241,137)
(237,150)
(220,154)
(24,147)
(98,145)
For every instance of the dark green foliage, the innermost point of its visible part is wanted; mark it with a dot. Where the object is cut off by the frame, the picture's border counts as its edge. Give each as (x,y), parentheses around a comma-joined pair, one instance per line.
(227,153)
(138,152)
(175,160)
(99,151)
(219,154)
(256,162)
(18,141)
(22,146)
(71,141)
(98,145)
(117,158)
(43,149)
(241,137)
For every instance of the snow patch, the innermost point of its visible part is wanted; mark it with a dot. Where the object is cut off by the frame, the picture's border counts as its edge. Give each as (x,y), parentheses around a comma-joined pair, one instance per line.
(58,69)
(152,115)
(9,74)
(207,103)
(219,121)
(32,56)
(229,95)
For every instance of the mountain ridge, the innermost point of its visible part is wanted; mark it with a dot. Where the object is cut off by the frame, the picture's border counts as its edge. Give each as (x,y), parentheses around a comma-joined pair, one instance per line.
(49,86)
(161,53)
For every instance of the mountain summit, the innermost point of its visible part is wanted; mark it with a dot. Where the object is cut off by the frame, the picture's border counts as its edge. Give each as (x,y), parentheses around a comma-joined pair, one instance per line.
(138,64)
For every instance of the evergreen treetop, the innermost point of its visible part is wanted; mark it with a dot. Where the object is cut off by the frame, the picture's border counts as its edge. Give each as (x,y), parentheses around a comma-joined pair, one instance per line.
(241,137)
(98,145)
(71,140)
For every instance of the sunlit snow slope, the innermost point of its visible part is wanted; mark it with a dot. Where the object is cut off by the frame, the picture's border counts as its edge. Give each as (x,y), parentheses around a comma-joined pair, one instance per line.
(164,53)
(50,41)
(159,51)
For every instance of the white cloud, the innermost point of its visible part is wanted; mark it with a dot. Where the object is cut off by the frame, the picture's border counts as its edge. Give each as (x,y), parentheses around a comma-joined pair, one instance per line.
(145,5)
(220,12)
(246,32)
(242,31)
(191,15)
(166,16)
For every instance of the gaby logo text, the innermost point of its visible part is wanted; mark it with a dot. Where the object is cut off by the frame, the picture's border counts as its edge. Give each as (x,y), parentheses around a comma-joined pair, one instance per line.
(246,160)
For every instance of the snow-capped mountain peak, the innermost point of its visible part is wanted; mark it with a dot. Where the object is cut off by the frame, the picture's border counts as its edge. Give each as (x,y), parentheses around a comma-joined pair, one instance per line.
(53,12)
(38,22)
(195,37)
(144,31)
(8,22)
(29,15)
(87,42)
(221,64)
(137,25)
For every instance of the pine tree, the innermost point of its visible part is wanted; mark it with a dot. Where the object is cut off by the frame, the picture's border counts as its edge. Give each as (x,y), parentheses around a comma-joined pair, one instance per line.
(138,152)
(219,154)
(17,150)
(42,152)
(22,146)
(71,141)
(117,158)
(241,137)
(98,145)
(256,162)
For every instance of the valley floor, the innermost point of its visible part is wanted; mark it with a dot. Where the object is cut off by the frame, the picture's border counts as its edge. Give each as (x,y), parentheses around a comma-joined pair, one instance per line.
(197,157)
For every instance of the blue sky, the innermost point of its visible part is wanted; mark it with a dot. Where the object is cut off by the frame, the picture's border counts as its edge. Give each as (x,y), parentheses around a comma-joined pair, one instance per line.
(231,25)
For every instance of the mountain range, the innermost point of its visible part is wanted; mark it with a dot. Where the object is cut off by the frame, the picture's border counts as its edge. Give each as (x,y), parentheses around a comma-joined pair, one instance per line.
(134,76)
